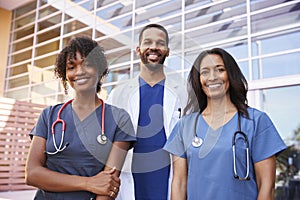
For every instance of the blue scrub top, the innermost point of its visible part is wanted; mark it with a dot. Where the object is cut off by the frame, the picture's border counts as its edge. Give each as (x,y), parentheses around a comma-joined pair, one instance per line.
(151,164)
(84,156)
(210,168)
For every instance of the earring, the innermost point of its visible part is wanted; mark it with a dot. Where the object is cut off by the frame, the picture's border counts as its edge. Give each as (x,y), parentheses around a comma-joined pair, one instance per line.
(66,88)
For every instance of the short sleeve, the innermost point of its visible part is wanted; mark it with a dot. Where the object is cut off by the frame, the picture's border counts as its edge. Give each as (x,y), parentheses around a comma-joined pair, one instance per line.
(125,130)
(175,144)
(41,127)
(267,141)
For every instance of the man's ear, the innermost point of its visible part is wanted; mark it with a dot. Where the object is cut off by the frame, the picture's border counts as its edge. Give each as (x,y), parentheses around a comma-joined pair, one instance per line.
(168,52)
(138,51)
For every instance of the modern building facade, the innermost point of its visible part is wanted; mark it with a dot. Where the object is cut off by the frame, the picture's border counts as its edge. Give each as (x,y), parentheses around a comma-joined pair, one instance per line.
(262,35)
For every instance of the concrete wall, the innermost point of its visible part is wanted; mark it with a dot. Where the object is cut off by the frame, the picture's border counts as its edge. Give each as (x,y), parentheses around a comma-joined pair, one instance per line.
(5,21)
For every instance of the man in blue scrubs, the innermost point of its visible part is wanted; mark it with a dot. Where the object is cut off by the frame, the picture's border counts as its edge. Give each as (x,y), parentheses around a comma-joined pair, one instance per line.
(153,99)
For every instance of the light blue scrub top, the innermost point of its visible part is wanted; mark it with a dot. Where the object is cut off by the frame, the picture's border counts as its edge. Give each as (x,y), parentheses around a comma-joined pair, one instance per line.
(210,168)
(84,156)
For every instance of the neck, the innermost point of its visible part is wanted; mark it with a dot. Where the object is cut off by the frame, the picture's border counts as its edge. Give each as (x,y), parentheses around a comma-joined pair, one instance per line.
(152,77)
(86,101)
(218,107)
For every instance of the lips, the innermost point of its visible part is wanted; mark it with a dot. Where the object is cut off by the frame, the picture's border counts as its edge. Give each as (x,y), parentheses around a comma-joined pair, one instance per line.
(153,55)
(81,81)
(214,85)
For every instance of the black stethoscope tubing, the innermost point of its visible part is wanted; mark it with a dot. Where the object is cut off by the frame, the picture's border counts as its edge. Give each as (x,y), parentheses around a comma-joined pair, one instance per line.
(197,142)
(102,139)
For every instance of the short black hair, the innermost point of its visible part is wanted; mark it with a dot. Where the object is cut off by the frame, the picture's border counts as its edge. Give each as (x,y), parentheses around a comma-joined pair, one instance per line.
(158,26)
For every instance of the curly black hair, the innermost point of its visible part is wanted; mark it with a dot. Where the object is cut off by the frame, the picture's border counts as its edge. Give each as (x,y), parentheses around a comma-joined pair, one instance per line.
(90,50)
(197,100)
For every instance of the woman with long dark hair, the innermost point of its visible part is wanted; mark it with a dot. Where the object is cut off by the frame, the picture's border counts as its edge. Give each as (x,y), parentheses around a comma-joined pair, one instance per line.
(222,148)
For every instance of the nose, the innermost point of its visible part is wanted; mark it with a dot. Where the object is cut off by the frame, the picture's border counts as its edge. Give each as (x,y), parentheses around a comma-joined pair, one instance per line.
(153,45)
(80,69)
(212,75)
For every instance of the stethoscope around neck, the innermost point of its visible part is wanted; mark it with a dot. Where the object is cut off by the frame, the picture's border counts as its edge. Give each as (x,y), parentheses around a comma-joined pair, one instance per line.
(197,142)
(101,138)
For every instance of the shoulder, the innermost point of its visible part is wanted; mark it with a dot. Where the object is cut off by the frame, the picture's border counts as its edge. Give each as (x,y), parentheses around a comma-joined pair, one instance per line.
(256,114)
(124,88)
(126,84)
(188,119)
(177,85)
(259,118)
(50,109)
(116,111)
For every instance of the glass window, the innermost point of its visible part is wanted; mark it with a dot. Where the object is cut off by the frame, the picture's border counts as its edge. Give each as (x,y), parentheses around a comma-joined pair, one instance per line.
(118,74)
(48,23)
(73,26)
(122,23)
(21,56)
(280,43)
(18,69)
(25,31)
(88,5)
(53,33)
(282,105)
(25,9)
(155,11)
(24,21)
(110,43)
(87,33)
(111,11)
(174,62)
(216,33)
(20,93)
(239,49)
(245,69)
(281,65)
(279,17)
(45,61)
(18,81)
(43,2)
(47,48)
(118,56)
(22,44)
(46,12)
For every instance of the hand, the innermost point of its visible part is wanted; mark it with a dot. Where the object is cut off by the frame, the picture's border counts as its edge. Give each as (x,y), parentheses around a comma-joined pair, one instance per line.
(105,183)
(103,198)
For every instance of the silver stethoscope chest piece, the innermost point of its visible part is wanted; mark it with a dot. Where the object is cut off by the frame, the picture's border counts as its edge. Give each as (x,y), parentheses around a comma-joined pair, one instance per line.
(102,139)
(197,142)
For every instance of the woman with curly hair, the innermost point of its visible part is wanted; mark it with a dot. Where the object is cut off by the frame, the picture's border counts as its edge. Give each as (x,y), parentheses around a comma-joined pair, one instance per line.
(79,147)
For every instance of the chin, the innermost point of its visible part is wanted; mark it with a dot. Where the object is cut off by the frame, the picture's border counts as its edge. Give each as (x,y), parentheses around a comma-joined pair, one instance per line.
(154,66)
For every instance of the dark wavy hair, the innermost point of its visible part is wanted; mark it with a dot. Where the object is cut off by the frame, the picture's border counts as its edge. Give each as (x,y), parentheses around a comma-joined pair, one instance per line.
(197,99)
(158,26)
(90,50)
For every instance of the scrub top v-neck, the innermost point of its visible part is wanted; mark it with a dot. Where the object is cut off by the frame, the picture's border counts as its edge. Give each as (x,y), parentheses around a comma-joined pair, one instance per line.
(84,156)
(210,174)
(150,163)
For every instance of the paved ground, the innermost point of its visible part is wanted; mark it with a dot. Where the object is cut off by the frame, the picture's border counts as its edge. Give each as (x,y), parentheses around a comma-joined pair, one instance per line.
(17,195)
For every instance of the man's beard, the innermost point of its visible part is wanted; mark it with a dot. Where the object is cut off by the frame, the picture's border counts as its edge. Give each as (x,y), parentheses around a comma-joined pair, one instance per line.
(153,66)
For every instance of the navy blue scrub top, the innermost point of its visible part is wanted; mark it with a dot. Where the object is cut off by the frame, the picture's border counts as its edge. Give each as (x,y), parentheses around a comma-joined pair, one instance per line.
(151,164)
(84,156)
